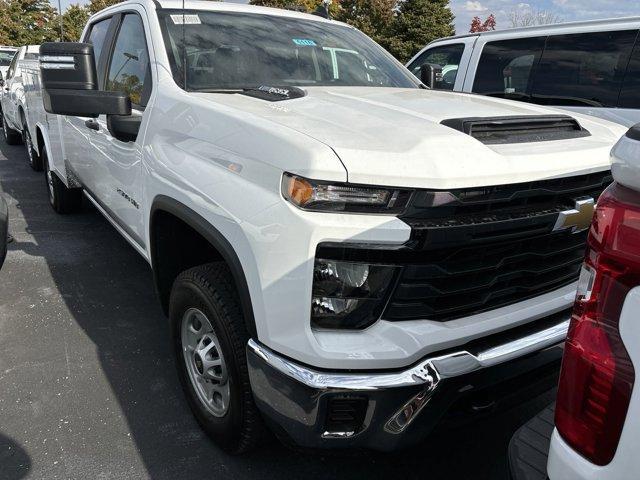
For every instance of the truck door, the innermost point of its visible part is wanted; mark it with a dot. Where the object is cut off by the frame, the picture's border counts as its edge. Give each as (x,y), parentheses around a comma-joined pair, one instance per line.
(115,173)
(452,55)
(75,131)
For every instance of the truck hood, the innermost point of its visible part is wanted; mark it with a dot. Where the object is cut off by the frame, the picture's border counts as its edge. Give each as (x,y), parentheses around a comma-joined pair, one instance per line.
(389,136)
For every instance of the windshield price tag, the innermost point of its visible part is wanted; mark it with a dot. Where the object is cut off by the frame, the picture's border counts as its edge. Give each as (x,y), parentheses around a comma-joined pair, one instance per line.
(186,19)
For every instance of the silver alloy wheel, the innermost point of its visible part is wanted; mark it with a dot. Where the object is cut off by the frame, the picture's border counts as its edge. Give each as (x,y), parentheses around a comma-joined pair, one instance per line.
(205,362)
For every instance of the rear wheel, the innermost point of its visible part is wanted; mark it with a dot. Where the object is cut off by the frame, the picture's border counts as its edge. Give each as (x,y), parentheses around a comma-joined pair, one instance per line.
(210,338)
(35,161)
(62,199)
(11,136)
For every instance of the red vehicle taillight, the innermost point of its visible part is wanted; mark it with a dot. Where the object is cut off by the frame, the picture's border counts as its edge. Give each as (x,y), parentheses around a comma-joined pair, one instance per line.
(597,374)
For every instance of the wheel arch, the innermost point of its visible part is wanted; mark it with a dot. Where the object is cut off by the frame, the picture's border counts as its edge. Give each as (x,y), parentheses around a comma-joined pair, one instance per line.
(164,274)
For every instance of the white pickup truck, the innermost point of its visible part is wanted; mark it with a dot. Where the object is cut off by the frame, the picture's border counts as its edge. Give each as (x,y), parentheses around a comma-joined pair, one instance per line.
(13,102)
(343,253)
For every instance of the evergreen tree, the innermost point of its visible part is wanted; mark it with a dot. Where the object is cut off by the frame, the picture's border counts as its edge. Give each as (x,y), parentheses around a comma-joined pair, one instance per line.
(73,21)
(300,5)
(373,17)
(27,22)
(417,23)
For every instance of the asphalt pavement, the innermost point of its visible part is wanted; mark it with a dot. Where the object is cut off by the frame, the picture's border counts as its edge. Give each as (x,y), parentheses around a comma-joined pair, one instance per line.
(88,387)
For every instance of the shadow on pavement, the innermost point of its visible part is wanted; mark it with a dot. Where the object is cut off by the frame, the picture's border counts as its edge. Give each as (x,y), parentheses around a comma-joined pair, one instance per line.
(14,461)
(90,381)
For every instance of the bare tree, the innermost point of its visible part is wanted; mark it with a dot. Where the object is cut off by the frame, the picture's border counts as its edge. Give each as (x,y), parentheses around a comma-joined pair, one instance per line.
(527,17)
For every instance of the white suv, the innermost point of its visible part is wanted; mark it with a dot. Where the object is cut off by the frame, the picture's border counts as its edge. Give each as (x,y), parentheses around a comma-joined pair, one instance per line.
(341,251)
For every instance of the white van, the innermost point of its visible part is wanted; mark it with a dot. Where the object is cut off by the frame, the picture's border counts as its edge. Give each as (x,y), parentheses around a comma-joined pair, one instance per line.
(591,67)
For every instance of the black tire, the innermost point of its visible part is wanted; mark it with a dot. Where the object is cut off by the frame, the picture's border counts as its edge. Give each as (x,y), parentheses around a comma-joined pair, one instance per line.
(210,289)
(63,200)
(11,136)
(35,161)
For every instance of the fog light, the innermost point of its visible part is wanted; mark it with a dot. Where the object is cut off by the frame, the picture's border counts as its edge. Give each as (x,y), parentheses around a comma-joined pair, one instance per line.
(348,295)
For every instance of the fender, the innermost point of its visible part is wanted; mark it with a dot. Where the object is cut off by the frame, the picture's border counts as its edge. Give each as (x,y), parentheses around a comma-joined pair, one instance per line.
(44,132)
(216,239)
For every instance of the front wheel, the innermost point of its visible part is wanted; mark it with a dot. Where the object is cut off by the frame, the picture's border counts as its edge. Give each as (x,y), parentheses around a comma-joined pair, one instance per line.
(62,199)
(210,338)
(11,136)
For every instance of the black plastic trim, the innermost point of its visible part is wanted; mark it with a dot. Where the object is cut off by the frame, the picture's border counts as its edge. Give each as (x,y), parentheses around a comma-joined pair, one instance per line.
(163,203)
(634,132)
(518,129)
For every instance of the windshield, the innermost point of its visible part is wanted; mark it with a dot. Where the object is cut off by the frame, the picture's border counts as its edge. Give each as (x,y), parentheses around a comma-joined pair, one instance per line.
(5,57)
(239,50)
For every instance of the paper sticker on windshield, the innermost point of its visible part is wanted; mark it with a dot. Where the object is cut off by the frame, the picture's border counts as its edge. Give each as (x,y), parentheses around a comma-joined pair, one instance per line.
(185,19)
(304,42)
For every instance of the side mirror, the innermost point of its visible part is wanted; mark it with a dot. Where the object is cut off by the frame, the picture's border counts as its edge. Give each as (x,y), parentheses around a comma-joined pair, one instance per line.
(70,82)
(4,227)
(431,75)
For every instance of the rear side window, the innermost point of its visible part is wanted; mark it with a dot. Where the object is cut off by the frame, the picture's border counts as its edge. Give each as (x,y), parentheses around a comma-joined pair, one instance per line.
(630,95)
(31,56)
(448,57)
(506,67)
(583,69)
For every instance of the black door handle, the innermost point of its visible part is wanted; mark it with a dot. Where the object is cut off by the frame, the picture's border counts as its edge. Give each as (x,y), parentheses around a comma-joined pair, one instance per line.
(92,124)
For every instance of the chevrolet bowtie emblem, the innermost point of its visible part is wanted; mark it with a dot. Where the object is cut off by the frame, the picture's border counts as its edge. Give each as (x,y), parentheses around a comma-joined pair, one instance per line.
(577,219)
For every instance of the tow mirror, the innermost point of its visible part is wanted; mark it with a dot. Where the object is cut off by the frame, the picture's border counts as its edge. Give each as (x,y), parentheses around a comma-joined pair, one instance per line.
(70,82)
(431,75)
(4,229)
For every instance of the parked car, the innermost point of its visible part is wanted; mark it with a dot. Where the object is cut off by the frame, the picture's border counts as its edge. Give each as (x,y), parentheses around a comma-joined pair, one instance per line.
(343,254)
(6,55)
(589,67)
(597,414)
(13,104)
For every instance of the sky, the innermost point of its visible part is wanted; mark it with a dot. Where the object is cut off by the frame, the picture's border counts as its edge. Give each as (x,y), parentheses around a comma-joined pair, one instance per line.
(465,10)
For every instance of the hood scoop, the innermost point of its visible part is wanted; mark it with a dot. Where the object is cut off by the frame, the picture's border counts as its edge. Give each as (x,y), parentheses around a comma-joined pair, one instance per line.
(503,130)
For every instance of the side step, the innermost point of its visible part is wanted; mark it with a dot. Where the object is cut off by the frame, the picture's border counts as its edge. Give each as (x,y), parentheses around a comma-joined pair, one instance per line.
(529,447)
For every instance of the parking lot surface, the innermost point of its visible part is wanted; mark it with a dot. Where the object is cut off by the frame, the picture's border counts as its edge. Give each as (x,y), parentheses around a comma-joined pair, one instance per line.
(88,387)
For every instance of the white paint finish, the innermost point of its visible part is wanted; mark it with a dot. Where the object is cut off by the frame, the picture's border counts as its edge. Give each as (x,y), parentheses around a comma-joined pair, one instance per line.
(389,136)
(469,62)
(625,162)
(565,463)
(223,156)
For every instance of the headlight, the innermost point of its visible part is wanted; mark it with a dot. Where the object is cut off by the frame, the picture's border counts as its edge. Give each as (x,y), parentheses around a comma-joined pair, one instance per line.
(348,295)
(342,197)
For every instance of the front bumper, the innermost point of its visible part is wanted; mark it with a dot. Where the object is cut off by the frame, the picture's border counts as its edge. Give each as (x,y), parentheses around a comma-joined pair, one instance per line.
(394,409)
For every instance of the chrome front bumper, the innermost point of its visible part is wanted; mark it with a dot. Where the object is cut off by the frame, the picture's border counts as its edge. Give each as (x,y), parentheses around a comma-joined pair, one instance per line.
(291,395)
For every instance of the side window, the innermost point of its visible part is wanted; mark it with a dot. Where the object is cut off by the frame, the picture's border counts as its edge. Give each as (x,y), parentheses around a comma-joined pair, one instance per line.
(129,69)
(12,66)
(583,69)
(448,57)
(506,67)
(97,36)
(630,94)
